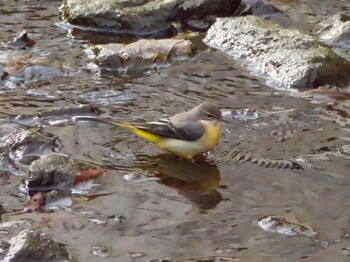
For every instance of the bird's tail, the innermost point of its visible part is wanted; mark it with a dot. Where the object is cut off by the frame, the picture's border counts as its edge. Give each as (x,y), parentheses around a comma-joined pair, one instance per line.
(142,133)
(97,119)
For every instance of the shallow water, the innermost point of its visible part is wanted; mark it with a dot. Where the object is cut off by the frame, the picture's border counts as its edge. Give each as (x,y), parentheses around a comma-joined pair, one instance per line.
(174,208)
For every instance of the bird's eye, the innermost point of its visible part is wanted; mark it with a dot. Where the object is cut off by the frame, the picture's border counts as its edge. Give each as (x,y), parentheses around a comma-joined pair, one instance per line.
(209,115)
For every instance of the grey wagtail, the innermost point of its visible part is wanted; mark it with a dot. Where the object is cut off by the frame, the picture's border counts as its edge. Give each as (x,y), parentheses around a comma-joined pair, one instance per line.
(185,134)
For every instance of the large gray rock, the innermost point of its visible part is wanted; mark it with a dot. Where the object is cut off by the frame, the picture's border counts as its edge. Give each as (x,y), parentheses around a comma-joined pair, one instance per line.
(287,58)
(140,54)
(140,16)
(34,246)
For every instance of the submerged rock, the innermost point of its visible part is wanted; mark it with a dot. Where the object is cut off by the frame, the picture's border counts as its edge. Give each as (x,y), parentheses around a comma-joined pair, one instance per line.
(140,54)
(287,58)
(336,31)
(101,251)
(140,17)
(25,145)
(285,226)
(34,246)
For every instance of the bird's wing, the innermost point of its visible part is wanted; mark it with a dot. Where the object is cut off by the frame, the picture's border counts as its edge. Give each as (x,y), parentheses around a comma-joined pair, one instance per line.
(166,129)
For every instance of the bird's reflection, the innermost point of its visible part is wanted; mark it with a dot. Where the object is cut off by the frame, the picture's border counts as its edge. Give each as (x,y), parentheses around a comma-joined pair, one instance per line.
(197,181)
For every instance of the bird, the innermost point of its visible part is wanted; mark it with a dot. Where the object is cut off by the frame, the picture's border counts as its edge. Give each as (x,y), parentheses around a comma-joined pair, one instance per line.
(186,134)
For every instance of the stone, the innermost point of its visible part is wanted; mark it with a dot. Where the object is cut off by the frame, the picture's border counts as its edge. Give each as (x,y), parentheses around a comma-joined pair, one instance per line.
(285,57)
(140,16)
(51,170)
(140,54)
(29,245)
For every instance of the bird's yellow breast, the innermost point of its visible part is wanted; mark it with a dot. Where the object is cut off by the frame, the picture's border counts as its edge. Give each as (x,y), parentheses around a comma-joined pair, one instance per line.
(212,133)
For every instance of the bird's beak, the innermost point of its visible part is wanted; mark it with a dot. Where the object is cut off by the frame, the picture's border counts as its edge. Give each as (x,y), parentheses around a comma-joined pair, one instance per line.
(222,119)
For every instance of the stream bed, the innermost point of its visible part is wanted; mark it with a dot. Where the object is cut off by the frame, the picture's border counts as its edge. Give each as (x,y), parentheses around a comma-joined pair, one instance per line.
(147,206)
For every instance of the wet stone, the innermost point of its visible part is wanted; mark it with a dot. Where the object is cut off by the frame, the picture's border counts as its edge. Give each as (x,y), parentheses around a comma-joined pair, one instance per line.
(325,244)
(101,251)
(26,145)
(52,170)
(141,54)
(34,246)
(22,41)
(141,18)
(285,57)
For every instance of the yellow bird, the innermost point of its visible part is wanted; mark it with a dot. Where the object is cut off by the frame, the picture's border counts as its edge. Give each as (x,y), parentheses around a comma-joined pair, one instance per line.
(185,134)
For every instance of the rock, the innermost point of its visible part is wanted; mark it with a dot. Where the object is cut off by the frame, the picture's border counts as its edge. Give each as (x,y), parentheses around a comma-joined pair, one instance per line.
(285,226)
(140,54)
(25,145)
(145,17)
(336,31)
(51,170)
(34,246)
(287,58)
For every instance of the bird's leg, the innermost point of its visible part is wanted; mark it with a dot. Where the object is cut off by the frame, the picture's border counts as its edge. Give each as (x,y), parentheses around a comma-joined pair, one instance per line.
(194,162)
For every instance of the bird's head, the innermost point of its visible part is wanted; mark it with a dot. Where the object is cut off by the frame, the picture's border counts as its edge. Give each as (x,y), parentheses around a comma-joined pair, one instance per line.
(209,112)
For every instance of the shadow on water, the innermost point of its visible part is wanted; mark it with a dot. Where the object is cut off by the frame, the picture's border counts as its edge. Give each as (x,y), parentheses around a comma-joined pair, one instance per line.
(197,181)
